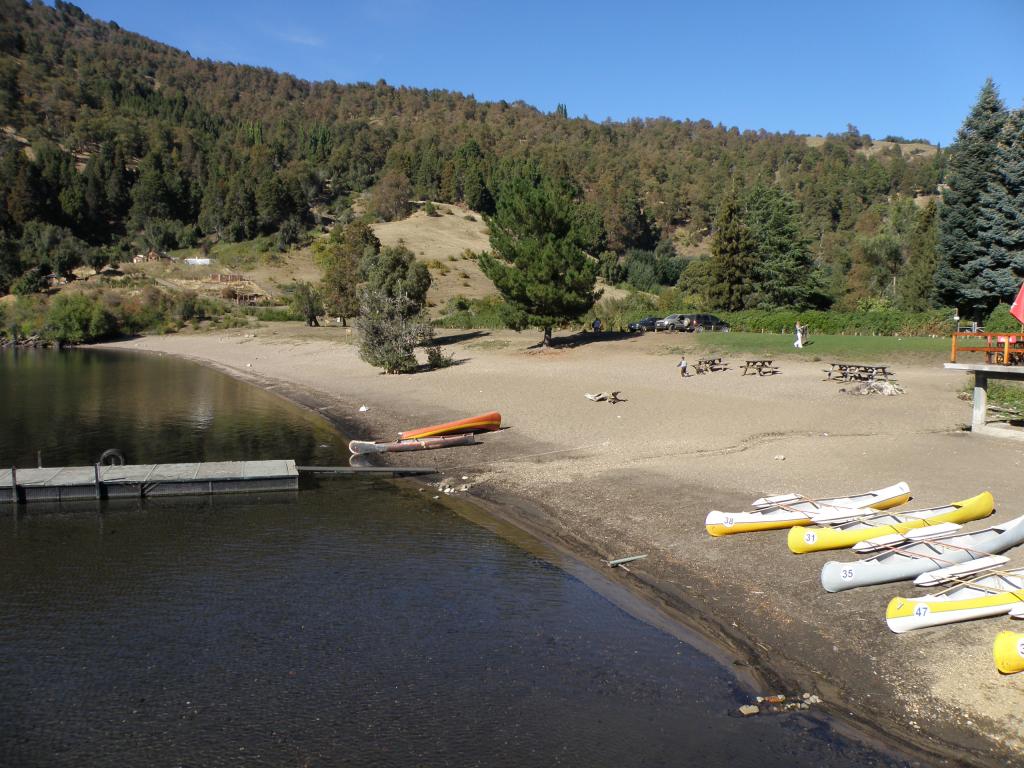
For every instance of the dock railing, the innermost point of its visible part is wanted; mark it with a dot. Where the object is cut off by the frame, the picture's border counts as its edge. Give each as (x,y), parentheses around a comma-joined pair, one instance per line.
(998,348)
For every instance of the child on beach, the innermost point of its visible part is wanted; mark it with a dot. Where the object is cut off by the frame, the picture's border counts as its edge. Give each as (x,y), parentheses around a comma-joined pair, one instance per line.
(682,366)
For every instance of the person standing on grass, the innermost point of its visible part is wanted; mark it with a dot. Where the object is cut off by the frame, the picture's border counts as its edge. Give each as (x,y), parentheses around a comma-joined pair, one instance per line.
(799,343)
(682,366)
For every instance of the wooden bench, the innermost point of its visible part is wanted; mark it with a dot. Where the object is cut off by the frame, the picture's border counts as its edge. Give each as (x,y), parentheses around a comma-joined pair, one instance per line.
(857,372)
(760,367)
(709,365)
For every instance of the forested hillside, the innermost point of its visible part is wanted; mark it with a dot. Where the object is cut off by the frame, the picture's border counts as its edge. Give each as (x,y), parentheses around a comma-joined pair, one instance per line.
(113,142)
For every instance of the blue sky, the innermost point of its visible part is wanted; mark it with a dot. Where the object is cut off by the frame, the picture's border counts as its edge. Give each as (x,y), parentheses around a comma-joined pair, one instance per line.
(907,68)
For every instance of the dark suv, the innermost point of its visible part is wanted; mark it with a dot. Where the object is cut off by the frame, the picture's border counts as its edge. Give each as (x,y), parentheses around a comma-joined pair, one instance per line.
(705,323)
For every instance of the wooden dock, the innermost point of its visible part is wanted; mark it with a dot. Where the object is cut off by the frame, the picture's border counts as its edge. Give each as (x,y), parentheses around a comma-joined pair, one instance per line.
(56,484)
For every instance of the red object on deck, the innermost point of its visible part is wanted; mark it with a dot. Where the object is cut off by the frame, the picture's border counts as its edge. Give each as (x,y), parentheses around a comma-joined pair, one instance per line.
(485,422)
(1017,308)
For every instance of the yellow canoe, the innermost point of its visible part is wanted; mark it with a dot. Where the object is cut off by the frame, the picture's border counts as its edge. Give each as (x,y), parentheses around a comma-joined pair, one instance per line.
(804,539)
(986,594)
(1008,652)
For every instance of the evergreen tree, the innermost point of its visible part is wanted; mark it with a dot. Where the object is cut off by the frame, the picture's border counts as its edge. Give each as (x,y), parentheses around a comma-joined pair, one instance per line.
(785,274)
(1001,228)
(395,272)
(340,256)
(918,279)
(961,252)
(538,264)
(733,262)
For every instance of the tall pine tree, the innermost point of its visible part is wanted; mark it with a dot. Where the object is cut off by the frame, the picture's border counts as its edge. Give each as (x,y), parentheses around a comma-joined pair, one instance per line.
(733,262)
(785,272)
(1001,226)
(538,264)
(961,252)
(918,278)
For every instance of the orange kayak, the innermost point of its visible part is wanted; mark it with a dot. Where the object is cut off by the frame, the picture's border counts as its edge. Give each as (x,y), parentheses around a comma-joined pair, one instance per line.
(485,422)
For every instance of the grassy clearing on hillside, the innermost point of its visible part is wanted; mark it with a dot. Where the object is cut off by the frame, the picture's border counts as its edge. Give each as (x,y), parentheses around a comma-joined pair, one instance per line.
(845,349)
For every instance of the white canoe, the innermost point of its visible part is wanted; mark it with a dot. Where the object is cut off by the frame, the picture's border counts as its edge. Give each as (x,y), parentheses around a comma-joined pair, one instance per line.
(418,444)
(771,513)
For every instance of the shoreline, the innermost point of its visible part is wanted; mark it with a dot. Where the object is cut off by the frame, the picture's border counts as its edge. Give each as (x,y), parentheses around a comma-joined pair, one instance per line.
(753,662)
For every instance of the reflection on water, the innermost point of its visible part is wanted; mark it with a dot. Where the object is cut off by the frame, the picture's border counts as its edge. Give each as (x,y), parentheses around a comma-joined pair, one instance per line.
(352,623)
(72,406)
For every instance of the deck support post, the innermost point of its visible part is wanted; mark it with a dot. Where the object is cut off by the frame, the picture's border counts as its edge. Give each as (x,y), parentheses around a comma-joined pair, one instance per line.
(99,486)
(980,401)
(14,485)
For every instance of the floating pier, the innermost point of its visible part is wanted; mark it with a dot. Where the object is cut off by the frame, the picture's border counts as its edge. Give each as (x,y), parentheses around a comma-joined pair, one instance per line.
(129,481)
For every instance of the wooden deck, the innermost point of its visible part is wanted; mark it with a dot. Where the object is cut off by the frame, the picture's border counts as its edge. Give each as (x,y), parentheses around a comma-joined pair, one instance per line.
(141,480)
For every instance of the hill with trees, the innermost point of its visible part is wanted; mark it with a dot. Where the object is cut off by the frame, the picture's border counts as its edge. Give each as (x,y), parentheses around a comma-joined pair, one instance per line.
(114,143)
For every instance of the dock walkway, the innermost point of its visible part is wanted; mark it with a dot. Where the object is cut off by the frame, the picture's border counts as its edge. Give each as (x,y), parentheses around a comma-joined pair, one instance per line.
(140,480)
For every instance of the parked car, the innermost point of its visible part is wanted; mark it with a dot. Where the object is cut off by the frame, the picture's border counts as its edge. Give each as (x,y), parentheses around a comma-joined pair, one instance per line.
(691,323)
(672,323)
(646,324)
(706,323)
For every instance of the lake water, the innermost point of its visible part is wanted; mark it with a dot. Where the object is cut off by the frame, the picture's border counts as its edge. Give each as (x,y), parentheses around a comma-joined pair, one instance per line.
(352,622)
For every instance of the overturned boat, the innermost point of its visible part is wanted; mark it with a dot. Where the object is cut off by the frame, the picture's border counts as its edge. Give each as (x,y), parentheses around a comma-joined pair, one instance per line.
(485,422)
(419,444)
(1008,652)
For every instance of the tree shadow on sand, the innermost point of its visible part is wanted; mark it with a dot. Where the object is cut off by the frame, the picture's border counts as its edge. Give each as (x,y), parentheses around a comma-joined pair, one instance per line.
(455,338)
(583,338)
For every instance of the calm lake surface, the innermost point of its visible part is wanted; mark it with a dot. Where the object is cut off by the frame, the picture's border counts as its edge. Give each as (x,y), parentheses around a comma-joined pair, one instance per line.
(351,623)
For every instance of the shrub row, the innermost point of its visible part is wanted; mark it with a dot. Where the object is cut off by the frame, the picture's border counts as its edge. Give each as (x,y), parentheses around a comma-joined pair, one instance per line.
(882,322)
(83,317)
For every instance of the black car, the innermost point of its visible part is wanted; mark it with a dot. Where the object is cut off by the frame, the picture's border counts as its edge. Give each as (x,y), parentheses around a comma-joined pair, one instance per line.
(647,324)
(705,323)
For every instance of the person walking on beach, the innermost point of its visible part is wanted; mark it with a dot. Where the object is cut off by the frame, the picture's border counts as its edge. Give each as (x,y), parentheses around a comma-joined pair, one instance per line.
(597,325)
(799,343)
(682,366)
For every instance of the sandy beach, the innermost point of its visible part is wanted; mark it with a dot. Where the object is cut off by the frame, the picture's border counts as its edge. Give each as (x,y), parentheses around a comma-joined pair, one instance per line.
(639,476)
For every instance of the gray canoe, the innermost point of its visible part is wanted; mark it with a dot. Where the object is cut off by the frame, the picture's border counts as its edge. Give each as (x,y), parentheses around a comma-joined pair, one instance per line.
(912,558)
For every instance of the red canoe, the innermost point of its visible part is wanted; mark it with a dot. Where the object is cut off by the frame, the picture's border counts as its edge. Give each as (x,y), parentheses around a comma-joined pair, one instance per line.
(485,422)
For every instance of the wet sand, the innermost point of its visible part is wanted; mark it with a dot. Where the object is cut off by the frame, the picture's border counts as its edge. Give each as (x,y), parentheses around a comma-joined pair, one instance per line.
(639,476)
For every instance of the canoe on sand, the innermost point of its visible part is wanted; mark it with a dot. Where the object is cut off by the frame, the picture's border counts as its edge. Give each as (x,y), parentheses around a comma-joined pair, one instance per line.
(791,509)
(908,555)
(420,444)
(995,593)
(1008,652)
(485,422)
(845,534)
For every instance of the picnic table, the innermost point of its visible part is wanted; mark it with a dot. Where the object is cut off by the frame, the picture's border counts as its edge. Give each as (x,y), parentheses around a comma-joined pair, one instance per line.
(760,367)
(710,364)
(857,372)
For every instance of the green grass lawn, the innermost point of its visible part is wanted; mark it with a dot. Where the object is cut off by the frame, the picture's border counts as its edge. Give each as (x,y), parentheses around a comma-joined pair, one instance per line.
(827,349)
